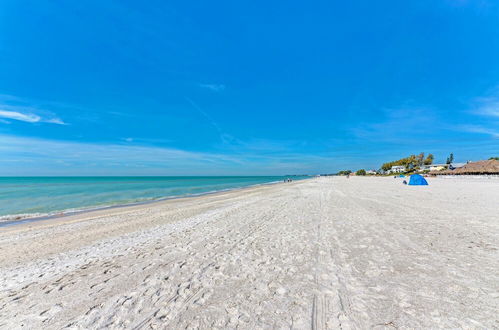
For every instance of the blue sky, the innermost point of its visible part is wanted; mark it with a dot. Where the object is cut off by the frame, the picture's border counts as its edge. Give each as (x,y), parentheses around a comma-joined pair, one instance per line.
(244,87)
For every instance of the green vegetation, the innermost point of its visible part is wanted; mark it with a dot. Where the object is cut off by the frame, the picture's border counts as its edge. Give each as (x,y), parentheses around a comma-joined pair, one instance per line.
(344,172)
(494,158)
(420,159)
(411,162)
(407,162)
(429,159)
(360,172)
(450,159)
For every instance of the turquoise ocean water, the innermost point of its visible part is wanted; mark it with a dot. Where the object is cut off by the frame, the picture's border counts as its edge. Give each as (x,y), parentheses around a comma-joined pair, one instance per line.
(22,197)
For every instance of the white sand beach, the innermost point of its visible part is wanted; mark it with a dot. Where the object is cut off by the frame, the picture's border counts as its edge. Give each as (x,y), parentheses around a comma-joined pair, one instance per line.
(322,253)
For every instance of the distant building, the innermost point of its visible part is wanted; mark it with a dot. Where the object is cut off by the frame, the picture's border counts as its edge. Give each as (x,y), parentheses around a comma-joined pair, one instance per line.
(483,167)
(434,167)
(454,166)
(397,169)
(371,172)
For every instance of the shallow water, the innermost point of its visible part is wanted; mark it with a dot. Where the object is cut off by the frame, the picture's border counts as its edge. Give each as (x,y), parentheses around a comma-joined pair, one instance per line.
(36,196)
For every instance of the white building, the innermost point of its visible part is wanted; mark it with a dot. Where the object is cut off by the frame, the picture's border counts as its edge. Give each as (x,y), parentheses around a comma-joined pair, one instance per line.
(434,167)
(371,172)
(397,169)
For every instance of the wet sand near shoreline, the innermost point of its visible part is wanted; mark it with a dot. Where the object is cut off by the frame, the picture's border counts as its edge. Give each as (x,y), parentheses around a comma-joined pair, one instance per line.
(320,253)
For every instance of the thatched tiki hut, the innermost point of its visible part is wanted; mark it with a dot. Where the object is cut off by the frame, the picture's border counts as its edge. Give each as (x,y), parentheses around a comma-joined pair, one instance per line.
(475,168)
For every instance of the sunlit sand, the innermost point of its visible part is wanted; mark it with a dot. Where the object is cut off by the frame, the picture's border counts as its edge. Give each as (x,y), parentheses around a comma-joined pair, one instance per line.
(320,253)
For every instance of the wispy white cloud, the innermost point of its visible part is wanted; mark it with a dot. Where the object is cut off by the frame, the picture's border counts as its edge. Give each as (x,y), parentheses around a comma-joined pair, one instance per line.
(486,115)
(207,116)
(55,121)
(398,125)
(29,110)
(28,114)
(79,156)
(479,129)
(488,106)
(37,156)
(213,87)
(27,117)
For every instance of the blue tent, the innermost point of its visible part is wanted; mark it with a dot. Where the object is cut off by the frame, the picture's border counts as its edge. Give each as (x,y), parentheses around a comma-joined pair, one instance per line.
(401,176)
(417,180)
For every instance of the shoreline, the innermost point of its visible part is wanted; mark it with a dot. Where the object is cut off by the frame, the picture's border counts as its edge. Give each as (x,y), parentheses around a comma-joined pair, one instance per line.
(7,223)
(326,252)
(15,221)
